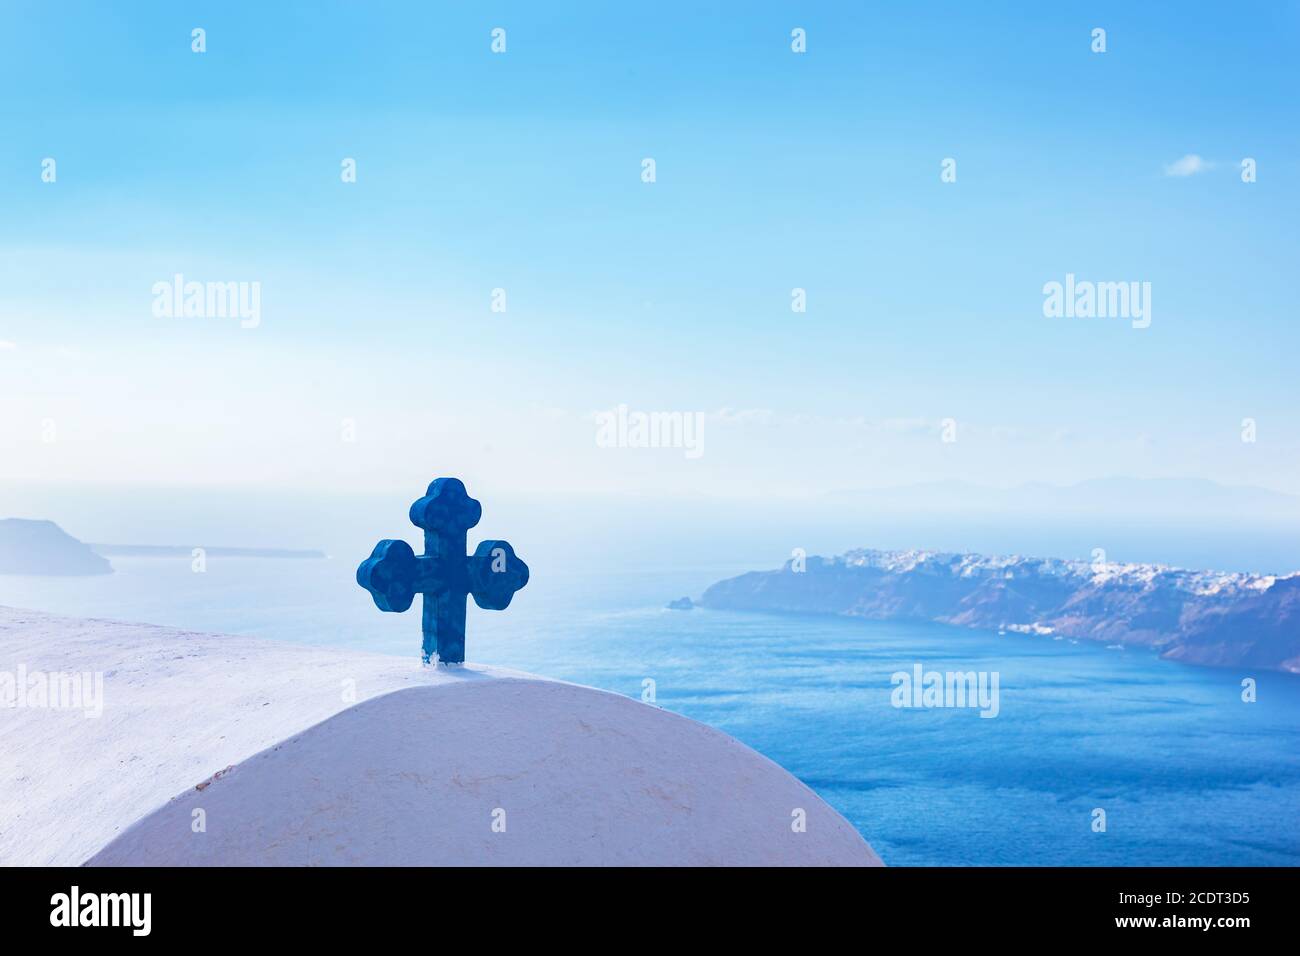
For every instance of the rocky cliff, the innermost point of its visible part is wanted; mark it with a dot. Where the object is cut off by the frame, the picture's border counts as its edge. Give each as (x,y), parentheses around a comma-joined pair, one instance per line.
(1204,617)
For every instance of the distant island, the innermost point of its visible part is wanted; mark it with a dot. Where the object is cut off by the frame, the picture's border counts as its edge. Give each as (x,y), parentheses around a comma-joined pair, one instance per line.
(185,551)
(680,604)
(1221,619)
(42,547)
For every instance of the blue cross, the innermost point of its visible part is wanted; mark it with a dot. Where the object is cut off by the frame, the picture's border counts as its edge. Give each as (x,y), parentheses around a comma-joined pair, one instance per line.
(393,574)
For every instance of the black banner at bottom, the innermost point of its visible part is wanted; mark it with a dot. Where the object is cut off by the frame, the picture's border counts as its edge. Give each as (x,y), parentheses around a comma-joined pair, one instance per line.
(335,905)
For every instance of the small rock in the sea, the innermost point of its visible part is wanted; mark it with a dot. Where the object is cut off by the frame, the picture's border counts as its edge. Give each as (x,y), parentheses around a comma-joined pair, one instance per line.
(681,604)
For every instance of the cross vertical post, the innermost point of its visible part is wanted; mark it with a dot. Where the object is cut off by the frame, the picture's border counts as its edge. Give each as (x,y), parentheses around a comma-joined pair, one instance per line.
(443,621)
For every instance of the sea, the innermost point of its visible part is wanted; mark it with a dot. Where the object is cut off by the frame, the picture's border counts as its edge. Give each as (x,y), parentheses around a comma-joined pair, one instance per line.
(1181,770)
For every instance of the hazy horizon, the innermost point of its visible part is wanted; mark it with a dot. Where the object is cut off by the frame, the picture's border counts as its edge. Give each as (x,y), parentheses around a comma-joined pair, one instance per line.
(1205,527)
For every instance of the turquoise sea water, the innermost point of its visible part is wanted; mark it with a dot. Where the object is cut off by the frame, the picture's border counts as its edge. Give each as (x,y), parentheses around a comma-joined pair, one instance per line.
(1187,773)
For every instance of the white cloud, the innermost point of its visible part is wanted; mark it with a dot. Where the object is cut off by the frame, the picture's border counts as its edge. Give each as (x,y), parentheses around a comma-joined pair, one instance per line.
(6,344)
(1189,165)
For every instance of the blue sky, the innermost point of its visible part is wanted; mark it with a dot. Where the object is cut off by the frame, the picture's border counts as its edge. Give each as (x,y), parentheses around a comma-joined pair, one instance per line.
(522,171)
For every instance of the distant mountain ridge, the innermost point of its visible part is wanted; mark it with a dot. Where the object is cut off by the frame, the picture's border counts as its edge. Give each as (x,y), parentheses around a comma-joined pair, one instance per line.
(1222,619)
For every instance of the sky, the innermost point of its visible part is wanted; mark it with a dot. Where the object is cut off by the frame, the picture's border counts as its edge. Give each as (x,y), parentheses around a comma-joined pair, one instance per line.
(377,360)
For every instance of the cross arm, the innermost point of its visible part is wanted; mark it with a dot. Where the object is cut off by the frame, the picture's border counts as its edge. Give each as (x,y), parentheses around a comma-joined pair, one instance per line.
(495,574)
(394,575)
